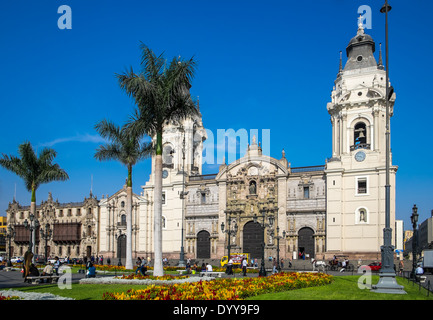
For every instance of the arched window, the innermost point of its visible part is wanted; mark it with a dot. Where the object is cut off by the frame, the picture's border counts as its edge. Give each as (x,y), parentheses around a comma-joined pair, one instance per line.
(123,219)
(167,154)
(360,136)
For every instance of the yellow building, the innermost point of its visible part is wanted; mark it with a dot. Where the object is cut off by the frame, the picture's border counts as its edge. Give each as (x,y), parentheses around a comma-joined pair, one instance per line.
(3,230)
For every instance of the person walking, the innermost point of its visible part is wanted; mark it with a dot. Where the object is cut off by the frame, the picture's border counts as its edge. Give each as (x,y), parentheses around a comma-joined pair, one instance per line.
(57,265)
(244,266)
(401,267)
(138,264)
(230,266)
(274,266)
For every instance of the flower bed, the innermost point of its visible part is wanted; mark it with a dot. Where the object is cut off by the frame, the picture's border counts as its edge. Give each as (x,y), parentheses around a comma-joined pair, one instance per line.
(2,297)
(134,276)
(224,289)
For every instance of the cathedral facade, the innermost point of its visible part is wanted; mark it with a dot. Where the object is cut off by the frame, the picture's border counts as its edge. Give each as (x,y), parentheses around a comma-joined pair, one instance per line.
(256,202)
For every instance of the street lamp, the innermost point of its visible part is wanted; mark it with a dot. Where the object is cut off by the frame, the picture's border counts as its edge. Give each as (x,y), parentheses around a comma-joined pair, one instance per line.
(9,235)
(387,281)
(182,196)
(278,237)
(263,225)
(230,231)
(414,220)
(46,235)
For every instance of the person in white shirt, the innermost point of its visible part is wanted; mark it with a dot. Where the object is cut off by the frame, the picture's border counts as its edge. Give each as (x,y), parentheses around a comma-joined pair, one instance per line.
(208,268)
(244,266)
(230,267)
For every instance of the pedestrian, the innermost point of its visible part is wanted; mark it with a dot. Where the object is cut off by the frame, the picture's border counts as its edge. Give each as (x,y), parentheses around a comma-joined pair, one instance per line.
(274,266)
(343,265)
(244,266)
(56,265)
(230,266)
(138,264)
(401,267)
(282,263)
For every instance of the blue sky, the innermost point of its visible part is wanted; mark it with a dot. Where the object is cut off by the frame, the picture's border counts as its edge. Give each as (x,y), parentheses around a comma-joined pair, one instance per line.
(261,65)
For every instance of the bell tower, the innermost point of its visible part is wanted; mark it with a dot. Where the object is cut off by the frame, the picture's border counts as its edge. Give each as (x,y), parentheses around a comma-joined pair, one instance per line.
(355,174)
(182,149)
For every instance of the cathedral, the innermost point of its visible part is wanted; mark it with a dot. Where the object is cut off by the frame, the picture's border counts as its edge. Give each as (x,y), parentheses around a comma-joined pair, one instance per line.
(337,208)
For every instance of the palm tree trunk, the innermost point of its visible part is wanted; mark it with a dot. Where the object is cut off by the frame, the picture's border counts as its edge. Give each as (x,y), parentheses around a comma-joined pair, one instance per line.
(158,270)
(33,212)
(128,263)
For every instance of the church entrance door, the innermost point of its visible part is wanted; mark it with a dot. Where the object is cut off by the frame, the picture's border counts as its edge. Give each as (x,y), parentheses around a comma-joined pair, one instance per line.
(306,242)
(253,240)
(203,245)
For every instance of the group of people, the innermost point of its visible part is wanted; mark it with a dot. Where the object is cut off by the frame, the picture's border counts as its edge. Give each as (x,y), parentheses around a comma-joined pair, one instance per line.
(195,268)
(95,260)
(142,264)
(30,270)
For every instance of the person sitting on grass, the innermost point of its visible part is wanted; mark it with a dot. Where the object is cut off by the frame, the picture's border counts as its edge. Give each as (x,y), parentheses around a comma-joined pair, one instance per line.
(91,271)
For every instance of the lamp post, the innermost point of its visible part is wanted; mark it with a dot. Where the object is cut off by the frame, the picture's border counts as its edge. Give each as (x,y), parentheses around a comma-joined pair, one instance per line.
(182,197)
(230,231)
(9,235)
(32,226)
(263,225)
(278,237)
(46,235)
(414,220)
(387,281)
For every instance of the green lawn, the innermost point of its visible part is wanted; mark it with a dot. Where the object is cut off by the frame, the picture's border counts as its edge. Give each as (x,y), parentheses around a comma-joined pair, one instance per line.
(342,288)
(346,288)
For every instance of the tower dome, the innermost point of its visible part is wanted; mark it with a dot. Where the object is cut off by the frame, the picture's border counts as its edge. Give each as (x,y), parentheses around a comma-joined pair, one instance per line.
(360,51)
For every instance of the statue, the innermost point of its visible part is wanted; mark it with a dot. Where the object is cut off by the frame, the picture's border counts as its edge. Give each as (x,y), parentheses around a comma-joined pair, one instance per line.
(362,216)
(252,187)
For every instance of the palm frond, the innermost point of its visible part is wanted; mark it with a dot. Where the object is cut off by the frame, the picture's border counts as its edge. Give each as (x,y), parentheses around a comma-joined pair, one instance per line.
(32,169)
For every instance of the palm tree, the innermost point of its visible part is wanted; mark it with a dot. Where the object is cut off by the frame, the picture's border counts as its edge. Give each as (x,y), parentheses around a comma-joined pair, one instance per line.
(126,146)
(161,95)
(34,170)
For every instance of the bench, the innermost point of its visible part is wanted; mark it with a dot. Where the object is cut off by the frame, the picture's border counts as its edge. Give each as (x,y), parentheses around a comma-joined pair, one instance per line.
(37,279)
(206,273)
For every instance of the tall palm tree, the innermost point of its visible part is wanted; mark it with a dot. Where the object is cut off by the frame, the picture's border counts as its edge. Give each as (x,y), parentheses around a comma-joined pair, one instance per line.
(127,147)
(161,95)
(34,170)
